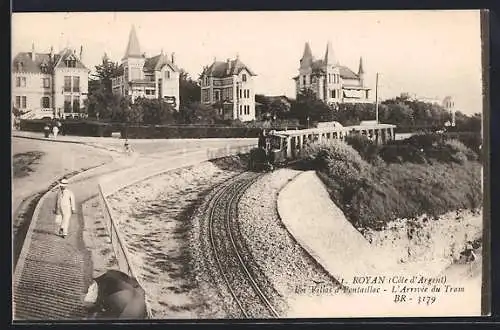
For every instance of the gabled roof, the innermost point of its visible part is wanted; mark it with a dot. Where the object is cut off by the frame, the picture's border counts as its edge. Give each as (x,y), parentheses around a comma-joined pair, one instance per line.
(23,62)
(226,69)
(68,54)
(158,62)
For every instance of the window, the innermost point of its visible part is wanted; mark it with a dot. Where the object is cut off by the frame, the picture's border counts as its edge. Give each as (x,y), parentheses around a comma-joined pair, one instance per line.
(304,80)
(70,63)
(67,84)
(332,94)
(240,93)
(67,103)
(167,74)
(45,102)
(241,109)
(76,84)
(217,95)
(244,77)
(21,82)
(46,82)
(76,104)
(21,102)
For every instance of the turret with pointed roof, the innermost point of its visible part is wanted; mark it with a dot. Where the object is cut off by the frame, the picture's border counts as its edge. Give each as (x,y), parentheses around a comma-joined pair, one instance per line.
(361,70)
(133,47)
(331,81)
(329,55)
(307,58)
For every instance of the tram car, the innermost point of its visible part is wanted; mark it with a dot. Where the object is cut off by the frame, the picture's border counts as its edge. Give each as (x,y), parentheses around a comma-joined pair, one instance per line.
(270,153)
(273,149)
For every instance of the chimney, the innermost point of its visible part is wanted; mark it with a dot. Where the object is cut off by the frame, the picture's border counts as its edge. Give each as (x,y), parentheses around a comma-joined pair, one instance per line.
(51,54)
(33,51)
(172,58)
(81,53)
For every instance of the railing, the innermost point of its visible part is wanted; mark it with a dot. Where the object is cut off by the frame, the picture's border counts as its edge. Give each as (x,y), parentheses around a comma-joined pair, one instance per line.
(112,184)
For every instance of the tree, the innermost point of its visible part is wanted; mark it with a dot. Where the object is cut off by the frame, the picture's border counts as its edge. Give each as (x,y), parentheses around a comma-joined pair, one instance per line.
(309,107)
(106,71)
(189,89)
(197,113)
(154,111)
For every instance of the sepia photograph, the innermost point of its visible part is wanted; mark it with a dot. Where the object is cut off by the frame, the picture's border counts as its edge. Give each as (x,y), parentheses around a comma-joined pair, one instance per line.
(248,165)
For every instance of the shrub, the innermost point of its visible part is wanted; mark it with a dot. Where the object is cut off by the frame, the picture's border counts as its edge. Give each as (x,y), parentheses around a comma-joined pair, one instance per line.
(372,195)
(185,132)
(367,148)
(457,147)
(399,153)
(72,127)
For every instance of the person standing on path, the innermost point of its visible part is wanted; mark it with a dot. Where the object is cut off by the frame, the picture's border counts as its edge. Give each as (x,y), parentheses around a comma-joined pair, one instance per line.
(64,208)
(55,130)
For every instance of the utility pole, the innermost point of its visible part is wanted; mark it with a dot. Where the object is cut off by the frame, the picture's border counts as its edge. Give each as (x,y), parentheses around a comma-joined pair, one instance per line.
(376,98)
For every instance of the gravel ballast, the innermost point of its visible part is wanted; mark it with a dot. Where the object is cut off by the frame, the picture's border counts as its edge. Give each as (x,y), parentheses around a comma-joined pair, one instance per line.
(287,266)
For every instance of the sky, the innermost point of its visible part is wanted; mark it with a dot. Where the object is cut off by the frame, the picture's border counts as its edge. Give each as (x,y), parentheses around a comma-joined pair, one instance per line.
(428,53)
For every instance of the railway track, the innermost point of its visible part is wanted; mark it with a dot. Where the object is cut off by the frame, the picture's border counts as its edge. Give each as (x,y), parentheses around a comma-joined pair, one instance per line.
(238,276)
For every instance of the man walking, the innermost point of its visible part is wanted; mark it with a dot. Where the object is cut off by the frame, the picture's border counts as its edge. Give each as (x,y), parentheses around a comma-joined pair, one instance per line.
(64,208)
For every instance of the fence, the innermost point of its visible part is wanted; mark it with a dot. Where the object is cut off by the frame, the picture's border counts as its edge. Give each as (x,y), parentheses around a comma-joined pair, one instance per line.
(114,182)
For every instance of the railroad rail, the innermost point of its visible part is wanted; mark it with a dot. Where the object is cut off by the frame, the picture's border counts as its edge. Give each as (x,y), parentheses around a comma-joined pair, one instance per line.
(238,276)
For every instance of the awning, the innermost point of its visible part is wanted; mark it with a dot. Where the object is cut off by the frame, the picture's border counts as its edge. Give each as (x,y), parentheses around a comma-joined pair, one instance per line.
(353,94)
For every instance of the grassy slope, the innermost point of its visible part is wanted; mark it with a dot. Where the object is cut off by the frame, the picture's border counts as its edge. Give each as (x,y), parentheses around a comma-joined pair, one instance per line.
(372,194)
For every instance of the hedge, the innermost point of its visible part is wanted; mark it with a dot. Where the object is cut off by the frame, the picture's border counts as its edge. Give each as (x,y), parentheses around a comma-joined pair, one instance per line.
(71,127)
(186,132)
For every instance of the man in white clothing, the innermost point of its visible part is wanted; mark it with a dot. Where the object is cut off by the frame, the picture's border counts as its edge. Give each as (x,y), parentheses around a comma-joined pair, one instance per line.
(65,207)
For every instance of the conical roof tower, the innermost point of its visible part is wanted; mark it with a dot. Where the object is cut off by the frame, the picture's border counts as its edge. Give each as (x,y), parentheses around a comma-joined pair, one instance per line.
(361,70)
(133,47)
(307,58)
(329,55)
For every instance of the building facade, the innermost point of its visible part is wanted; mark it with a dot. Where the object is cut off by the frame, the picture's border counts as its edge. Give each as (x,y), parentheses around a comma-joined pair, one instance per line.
(150,77)
(449,105)
(50,85)
(330,81)
(230,87)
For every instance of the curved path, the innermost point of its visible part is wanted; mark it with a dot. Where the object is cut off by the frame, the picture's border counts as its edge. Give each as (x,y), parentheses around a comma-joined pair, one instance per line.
(234,264)
(53,273)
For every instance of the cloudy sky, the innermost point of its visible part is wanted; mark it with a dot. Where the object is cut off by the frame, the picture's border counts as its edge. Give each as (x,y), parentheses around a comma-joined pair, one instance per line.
(428,53)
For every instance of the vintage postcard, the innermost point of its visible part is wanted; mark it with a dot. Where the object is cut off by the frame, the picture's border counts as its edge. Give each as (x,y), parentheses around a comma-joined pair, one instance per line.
(262,165)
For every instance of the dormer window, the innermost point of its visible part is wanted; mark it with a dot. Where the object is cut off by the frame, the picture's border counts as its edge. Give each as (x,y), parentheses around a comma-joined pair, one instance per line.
(244,77)
(43,68)
(19,66)
(70,63)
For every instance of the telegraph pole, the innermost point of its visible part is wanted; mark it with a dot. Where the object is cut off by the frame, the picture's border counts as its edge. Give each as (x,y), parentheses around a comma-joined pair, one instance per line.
(376,98)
